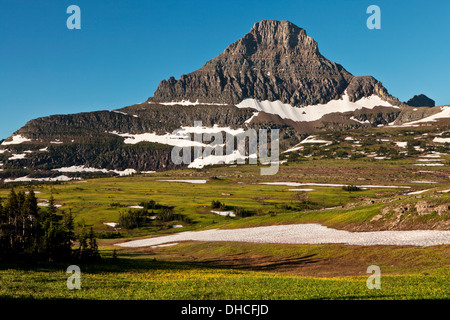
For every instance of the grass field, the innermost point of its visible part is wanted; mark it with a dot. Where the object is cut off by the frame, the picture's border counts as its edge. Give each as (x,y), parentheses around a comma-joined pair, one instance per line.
(146,278)
(212,270)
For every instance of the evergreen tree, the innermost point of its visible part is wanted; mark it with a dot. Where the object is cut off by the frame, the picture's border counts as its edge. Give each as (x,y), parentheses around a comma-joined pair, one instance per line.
(27,232)
(93,247)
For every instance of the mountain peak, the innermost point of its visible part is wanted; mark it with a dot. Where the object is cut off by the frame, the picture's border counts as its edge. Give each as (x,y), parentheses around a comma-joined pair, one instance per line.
(272,37)
(275,60)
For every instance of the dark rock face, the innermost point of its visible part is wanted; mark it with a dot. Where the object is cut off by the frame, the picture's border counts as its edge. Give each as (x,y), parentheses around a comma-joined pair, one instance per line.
(365,86)
(420,100)
(276,60)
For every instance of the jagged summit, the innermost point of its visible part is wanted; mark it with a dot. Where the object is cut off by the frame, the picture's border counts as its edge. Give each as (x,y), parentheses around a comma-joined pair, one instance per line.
(276,60)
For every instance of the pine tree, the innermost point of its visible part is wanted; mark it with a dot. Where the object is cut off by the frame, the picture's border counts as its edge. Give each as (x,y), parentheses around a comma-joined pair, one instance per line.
(83,250)
(93,247)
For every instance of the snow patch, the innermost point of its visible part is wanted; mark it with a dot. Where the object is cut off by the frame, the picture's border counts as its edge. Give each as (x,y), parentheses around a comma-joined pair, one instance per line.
(312,139)
(125,114)
(417,192)
(188,103)
(199,163)
(313,112)
(180,137)
(224,213)
(441,140)
(18,156)
(185,181)
(444,113)
(111,224)
(26,179)
(17,139)
(82,168)
(401,144)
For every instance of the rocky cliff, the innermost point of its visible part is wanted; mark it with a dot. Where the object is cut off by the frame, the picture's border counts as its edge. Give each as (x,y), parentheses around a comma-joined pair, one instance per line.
(276,60)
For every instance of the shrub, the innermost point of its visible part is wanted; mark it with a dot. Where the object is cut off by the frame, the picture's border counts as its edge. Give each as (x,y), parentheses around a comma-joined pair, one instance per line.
(242,212)
(351,188)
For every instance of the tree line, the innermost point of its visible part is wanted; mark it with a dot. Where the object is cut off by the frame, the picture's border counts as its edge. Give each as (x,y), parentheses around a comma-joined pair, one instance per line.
(29,233)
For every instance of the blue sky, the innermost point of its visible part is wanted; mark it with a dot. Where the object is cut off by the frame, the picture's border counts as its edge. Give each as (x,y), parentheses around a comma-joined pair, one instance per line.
(126,47)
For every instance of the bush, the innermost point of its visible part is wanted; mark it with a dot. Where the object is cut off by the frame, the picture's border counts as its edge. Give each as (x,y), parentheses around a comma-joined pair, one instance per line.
(242,212)
(109,235)
(351,188)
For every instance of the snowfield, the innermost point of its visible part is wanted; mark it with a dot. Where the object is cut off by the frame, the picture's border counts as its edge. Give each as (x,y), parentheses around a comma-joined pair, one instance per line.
(300,184)
(314,112)
(302,234)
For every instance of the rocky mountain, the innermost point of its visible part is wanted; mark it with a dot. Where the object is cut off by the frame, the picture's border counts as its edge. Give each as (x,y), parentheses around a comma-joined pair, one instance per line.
(273,77)
(420,100)
(276,60)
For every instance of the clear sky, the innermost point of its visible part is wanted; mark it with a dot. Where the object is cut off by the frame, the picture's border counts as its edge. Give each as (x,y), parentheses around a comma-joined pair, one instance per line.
(126,47)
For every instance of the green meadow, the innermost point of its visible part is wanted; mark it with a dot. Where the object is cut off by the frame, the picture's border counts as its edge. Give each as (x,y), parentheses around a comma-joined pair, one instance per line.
(239,270)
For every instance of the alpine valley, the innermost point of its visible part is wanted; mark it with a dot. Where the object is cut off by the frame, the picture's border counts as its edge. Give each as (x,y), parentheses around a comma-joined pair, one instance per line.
(273,77)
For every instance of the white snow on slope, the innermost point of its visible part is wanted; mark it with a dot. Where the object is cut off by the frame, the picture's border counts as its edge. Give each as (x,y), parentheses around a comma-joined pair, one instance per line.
(312,139)
(401,144)
(313,112)
(445,113)
(18,156)
(188,103)
(255,114)
(199,163)
(362,122)
(82,168)
(169,139)
(26,179)
(294,148)
(441,140)
(116,111)
(17,139)
(179,138)
(302,234)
